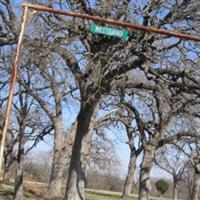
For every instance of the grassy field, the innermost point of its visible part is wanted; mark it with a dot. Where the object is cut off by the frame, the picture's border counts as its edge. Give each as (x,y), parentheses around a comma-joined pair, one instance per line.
(96,195)
(38,192)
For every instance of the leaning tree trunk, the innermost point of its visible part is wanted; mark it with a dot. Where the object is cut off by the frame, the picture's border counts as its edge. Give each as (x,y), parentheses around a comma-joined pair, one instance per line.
(196,189)
(130,175)
(18,193)
(58,165)
(147,162)
(76,176)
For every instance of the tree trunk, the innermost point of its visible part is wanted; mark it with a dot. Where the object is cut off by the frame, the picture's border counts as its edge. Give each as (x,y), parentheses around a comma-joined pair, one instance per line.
(196,189)
(76,176)
(129,178)
(175,191)
(8,161)
(58,165)
(18,192)
(147,162)
(6,175)
(56,179)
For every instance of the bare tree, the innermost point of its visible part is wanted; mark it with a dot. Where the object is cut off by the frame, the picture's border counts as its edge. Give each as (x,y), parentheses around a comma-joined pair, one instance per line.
(189,180)
(134,153)
(126,117)
(56,87)
(18,193)
(98,78)
(8,28)
(174,163)
(155,115)
(98,64)
(192,150)
(27,127)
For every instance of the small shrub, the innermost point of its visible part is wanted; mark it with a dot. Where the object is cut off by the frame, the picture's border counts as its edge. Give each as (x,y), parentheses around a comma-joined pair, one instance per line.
(162,186)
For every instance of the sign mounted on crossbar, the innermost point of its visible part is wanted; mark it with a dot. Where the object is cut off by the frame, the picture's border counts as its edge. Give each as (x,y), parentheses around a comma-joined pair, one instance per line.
(109,31)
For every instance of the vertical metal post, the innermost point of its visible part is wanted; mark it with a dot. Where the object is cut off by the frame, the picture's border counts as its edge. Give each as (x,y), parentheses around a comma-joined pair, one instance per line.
(12,87)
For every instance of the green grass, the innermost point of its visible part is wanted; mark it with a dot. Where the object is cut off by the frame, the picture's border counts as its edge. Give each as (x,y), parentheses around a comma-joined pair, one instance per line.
(100,195)
(6,193)
(91,195)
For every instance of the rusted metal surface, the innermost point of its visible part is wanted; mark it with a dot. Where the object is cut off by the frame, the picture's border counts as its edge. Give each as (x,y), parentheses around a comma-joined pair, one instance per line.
(114,22)
(12,85)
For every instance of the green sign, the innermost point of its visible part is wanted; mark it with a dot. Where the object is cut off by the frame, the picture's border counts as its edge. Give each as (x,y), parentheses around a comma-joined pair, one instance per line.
(109,31)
